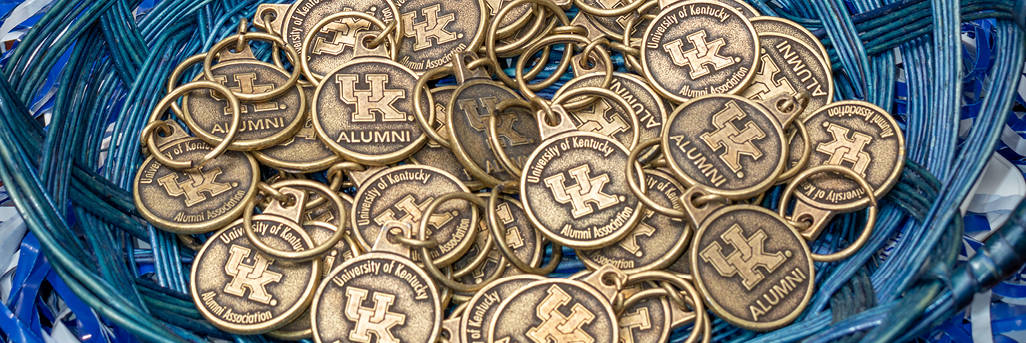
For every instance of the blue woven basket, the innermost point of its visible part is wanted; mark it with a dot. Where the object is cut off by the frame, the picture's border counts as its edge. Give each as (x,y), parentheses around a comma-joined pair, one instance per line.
(106,66)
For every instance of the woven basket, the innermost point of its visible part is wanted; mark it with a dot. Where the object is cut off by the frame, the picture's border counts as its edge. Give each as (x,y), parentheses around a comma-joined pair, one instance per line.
(106,66)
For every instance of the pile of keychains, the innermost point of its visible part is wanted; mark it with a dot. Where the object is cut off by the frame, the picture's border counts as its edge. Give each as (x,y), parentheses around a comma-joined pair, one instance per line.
(383,177)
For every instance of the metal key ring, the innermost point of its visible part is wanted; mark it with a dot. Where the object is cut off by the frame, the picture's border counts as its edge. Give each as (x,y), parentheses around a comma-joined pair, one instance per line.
(806,152)
(785,197)
(507,252)
(632,183)
(315,252)
(425,255)
(596,91)
(418,92)
(631,57)
(292,55)
(481,257)
(612,12)
(155,122)
(173,79)
(304,54)
(557,12)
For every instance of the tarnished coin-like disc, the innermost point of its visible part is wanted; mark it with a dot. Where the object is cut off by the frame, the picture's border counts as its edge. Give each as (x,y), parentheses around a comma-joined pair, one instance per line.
(741,6)
(377,297)
(240,290)
(753,269)
(857,135)
(554,310)
(520,236)
(336,42)
(364,111)
(695,48)
(647,321)
(657,240)
(403,194)
(788,66)
(304,152)
(786,27)
(606,117)
(727,144)
(575,191)
(320,233)
(469,110)
(436,155)
(681,266)
(435,29)
(481,308)
(263,124)
(195,201)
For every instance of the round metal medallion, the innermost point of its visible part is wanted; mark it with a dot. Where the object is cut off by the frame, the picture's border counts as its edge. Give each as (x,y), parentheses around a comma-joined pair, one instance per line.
(434,30)
(335,43)
(402,194)
(657,241)
(857,135)
(364,111)
(741,6)
(472,103)
(263,124)
(575,192)
(726,144)
(554,310)
(481,308)
(377,297)
(240,290)
(695,48)
(753,269)
(436,155)
(196,201)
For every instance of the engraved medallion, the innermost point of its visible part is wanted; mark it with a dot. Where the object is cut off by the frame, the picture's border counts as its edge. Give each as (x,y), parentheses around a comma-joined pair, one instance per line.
(240,290)
(320,232)
(335,43)
(752,268)
(695,48)
(786,67)
(434,30)
(436,155)
(472,103)
(520,237)
(725,143)
(402,194)
(857,135)
(681,266)
(364,111)
(604,116)
(575,191)
(377,297)
(263,124)
(555,310)
(656,241)
(304,152)
(789,28)
(481,308)
(195,201)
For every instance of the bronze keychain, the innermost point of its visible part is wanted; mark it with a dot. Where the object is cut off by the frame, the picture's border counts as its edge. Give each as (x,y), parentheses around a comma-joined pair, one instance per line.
(185,185)
(381,294)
